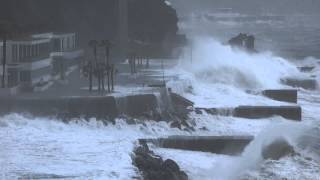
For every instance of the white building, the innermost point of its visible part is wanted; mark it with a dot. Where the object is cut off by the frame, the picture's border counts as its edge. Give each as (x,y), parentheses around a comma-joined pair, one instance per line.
(33,60)
(65,51)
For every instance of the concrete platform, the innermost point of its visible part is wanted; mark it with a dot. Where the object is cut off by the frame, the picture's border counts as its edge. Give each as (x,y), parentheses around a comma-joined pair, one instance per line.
(306,68)
(101,107)
(229,145)
(286,95)
(256,112)
(310,84)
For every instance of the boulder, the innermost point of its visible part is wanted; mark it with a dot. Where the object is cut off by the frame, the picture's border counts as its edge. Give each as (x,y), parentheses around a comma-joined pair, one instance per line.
(153,167)
(277,149)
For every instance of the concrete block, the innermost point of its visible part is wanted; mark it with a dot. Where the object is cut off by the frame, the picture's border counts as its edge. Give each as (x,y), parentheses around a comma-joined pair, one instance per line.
(229,145)
(138,105)
(306,68)
(286,95)
(39,106)
(256,112)
(310,84)
(98,107)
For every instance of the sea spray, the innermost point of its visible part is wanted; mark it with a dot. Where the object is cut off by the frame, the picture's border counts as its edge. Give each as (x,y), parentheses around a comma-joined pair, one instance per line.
(217,63)
(252,157)
(219,76)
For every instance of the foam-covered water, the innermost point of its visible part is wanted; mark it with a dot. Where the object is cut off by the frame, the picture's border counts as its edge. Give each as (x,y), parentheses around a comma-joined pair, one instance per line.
(43,148)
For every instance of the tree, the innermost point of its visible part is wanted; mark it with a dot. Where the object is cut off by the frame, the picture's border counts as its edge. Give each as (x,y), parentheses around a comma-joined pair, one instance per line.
(93,44)
(107,44)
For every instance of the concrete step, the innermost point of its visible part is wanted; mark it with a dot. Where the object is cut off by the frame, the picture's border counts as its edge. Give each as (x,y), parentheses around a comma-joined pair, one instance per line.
(229,145)
(310,84)
(256,112)
(306,68)
(286,95)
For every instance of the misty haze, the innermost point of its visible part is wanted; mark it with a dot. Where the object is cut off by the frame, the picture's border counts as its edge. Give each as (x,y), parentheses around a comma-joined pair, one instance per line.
(160,89)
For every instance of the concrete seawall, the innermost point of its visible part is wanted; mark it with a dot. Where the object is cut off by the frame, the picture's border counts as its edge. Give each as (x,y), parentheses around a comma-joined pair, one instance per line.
(138,105)
(74,107)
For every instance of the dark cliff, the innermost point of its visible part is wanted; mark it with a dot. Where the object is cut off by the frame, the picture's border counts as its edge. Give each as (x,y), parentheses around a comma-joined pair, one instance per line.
(149,20)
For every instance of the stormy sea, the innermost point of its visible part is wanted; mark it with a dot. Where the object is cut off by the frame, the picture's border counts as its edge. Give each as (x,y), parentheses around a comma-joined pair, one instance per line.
(214,75)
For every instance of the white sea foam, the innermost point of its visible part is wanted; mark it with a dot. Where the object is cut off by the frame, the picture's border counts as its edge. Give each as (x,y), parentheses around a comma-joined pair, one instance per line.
(220,75)
(41,147)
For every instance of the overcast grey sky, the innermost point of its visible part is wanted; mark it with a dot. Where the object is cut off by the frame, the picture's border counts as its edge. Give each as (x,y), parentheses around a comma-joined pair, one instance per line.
(278,6)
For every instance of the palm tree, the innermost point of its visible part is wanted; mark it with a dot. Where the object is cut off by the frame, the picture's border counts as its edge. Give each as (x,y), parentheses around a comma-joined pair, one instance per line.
(107,44)
(93,44)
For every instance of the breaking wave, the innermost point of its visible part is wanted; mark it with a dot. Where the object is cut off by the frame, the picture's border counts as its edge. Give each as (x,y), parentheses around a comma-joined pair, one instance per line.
(219,72)
(302,138)
(216,63)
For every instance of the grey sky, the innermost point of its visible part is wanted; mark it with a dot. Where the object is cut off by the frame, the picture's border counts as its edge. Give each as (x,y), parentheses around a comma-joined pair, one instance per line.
(278,6)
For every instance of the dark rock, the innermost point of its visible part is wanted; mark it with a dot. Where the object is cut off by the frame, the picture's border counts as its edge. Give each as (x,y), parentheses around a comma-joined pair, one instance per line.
(153,167)
(277,149)
(189,129)
(243,41)
(170,165)
(198,111)
(175,124)
(131,121)
(204,129)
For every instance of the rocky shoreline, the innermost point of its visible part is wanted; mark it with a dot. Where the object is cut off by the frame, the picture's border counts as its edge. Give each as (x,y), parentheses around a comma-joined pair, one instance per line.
(153,167)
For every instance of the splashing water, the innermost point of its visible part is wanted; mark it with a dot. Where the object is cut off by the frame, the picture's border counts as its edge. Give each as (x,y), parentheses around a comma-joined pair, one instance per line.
(220,75)
(294,133)
(216,63)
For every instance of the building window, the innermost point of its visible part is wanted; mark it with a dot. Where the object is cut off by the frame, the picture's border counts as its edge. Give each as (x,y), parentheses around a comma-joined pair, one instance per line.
(56,45)
(62,45)
(1,54)
(24,47)
(14,53)
(20,52)
(25,76)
